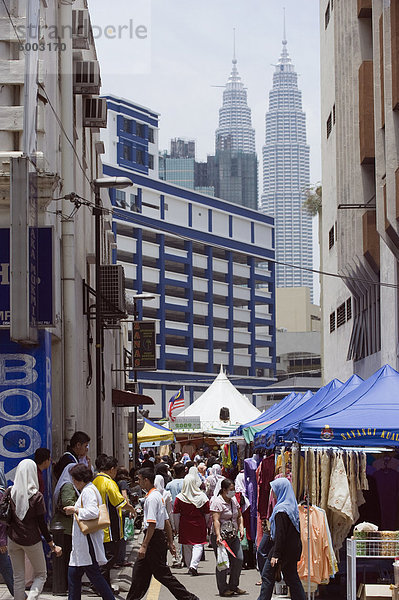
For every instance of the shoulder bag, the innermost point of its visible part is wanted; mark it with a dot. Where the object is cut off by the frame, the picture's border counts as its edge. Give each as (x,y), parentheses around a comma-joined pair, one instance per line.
(88,526)
(228,530)
(5,507)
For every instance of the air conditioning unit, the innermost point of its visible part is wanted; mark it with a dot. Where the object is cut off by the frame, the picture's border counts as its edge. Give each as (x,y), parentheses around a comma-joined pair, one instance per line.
(80,29)
(86,77)
(112,293)
(95,112)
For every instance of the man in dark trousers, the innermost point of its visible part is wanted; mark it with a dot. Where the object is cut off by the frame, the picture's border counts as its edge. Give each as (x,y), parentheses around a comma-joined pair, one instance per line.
(151,560)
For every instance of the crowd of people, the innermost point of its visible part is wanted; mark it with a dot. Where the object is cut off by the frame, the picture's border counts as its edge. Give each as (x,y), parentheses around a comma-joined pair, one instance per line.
(188,503)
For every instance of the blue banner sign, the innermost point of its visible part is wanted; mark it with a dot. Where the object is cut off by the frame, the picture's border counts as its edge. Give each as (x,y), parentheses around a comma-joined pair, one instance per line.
(25,401)
(41,294)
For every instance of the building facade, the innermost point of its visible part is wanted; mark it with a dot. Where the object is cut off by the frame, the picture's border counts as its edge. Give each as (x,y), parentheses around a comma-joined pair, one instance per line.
(180,167)
(198,256)
(55,371)
(286,176)
(360,100)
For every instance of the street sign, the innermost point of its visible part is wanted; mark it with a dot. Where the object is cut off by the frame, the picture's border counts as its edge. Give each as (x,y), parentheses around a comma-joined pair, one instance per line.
(45,295)
(144,346)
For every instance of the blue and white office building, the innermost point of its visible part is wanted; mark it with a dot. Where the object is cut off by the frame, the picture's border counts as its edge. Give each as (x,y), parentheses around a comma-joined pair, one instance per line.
(198,256)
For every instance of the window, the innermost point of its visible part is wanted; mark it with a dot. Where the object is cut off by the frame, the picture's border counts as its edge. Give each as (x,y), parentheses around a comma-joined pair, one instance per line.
(127,152)
(150,161)
(127,125)
(329,125)
(327,15)
(120,198)
(140,130)
(332,322)
(341,315)
(331,238)
(151,135)
(349,309)
(140,157)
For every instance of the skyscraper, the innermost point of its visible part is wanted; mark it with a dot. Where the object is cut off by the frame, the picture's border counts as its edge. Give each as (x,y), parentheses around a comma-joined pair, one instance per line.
(233,171)
(286,175)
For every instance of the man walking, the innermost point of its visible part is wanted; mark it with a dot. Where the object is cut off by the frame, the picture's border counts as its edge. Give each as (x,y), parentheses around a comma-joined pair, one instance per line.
(114,500)
(151,560)
(76,452)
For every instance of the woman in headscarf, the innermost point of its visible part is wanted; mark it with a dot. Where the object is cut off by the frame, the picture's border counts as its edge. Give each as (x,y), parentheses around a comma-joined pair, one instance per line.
(65,494)
(5,563)
(26,530)
(189,510)
(242,499)
(159,484)
(287,547)
(214,481)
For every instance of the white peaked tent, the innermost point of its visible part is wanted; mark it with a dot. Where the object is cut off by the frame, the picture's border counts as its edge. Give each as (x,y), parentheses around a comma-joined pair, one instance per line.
(221,393)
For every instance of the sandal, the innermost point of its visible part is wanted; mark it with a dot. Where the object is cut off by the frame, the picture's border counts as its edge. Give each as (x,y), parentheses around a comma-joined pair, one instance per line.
(258,582)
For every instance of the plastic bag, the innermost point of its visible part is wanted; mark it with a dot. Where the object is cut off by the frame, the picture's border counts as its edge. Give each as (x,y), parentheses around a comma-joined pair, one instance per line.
(244,541)
(222,560)
(128,530)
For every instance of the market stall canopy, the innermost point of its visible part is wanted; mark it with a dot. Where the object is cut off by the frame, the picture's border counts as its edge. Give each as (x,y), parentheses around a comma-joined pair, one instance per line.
(367,416)
(268,436)
(152,432)
(205,412)
(266,414)
(297,400)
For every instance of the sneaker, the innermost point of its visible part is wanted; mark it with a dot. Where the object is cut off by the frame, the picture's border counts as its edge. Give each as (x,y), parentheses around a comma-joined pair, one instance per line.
(239,592)
(227,594)
(193,572)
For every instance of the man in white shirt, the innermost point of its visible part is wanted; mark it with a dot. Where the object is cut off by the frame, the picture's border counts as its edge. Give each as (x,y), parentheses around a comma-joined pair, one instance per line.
(151,560)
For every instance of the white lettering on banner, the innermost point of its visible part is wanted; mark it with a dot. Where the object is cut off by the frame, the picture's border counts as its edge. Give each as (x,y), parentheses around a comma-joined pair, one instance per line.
(4,273)
(26,369)
(34,441)
(35,404)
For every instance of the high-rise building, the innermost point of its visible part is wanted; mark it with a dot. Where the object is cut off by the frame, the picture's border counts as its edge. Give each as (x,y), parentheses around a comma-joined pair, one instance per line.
(360,178)
(180,167)
(233,171)
(286,175)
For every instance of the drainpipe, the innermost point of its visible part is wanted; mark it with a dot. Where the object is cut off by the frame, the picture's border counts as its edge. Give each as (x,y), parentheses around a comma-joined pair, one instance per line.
(71,394)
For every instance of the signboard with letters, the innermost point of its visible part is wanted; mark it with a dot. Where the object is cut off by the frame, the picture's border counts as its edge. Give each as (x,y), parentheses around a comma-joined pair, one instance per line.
(186,423)
(25,401)
(144,346)
(43,301)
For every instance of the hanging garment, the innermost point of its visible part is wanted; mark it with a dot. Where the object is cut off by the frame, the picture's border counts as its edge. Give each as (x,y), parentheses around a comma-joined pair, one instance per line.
(388,493)
(325,478)
(265,474)
(339,502)
(320,559)
(250,466)
(370,512)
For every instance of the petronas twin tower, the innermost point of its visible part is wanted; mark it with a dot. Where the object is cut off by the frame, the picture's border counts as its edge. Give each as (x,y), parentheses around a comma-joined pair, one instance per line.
(286,166)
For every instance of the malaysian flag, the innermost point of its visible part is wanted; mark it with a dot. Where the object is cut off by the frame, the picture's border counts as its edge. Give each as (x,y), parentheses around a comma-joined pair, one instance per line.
(176,401)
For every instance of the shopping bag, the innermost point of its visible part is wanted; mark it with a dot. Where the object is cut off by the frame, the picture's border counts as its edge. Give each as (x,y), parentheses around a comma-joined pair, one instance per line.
(244,541)
(128,530)
(222,559)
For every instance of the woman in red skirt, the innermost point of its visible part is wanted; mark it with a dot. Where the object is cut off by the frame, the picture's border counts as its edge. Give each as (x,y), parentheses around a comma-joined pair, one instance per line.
(191,505)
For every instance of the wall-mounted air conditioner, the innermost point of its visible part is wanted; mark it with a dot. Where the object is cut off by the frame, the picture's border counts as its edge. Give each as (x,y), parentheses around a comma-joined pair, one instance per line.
(112,292)
(94,112)
(86,77)
(80,29)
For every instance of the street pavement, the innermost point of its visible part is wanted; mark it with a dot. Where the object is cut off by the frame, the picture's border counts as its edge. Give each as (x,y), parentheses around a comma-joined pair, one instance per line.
(204,585)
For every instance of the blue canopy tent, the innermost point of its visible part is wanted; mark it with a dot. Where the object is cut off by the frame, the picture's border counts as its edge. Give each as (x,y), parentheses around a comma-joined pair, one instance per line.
(267,414)
(296,400)
(267,437)
(367,416)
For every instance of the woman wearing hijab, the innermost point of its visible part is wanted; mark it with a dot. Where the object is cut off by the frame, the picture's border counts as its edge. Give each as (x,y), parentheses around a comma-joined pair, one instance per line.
(159,484)
(65,494)
(214,481)
(189,510)
(26,530)
(287,547)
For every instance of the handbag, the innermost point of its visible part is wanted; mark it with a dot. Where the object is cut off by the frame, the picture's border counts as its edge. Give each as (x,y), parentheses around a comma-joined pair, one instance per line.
(227,530)
(5,508)
(92,525)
